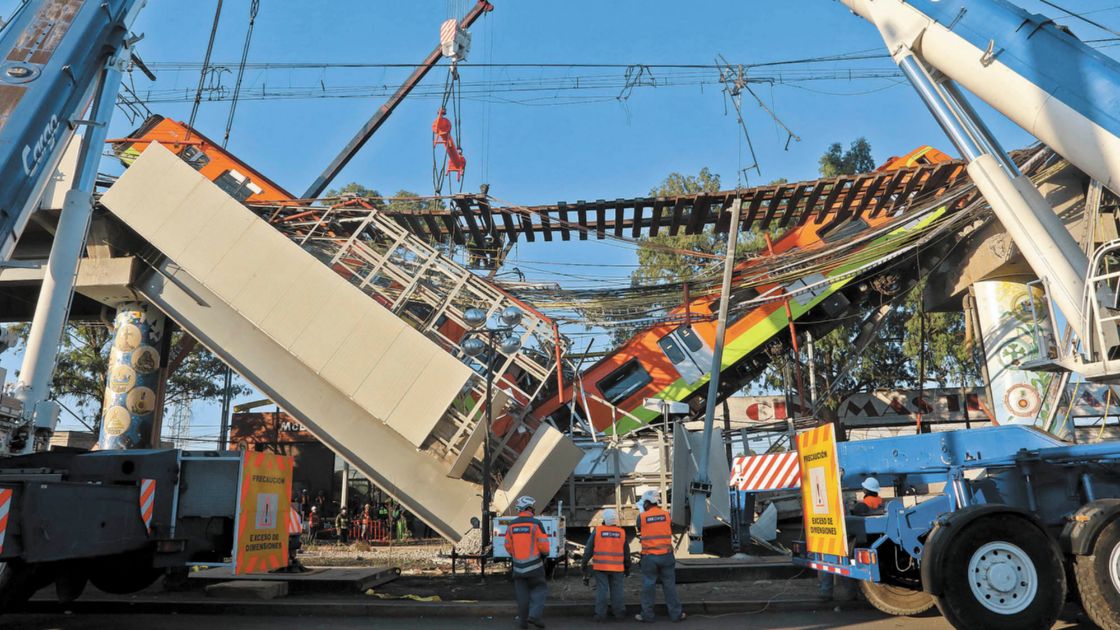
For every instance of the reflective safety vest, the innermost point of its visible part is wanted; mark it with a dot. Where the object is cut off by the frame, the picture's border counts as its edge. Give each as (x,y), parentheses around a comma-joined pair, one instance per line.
(873,502)
(609,553)
(295,523)
(655,531)
(526,542)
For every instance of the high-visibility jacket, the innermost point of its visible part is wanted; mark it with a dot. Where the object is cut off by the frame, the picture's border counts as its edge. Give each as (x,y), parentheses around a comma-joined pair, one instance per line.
(526,542)
(609,552)
(295,523)
(656,532)
(873,502)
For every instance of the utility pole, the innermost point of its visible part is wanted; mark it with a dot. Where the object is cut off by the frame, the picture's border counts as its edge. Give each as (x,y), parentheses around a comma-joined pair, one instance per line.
(701,487)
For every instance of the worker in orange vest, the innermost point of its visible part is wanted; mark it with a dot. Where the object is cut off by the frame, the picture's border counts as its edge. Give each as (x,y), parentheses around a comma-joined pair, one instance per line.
(608,551)
(871,503)
(527,545)
(658,563)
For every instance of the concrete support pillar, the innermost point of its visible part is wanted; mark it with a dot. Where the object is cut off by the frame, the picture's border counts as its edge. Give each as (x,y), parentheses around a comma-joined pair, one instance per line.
(134,389)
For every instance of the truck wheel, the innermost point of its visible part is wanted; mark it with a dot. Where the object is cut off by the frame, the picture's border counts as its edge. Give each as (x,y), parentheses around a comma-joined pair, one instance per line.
(1001,571)
(896,600)
(69,584)
(17,584)
(1098,578)
(125,573)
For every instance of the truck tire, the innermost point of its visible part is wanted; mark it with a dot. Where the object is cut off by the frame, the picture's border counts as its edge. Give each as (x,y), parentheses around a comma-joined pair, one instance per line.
(1001,571)
(18,582)
(1097,576)
(123,574)
(896,600)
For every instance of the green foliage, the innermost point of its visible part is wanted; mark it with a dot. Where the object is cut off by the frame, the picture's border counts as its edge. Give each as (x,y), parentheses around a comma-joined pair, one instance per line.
(857,159)
(200,377)
(353,188)
(83,366)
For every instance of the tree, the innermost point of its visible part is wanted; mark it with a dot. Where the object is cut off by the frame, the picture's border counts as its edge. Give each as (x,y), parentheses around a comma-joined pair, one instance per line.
(857,159)
(353,188)
(82,370)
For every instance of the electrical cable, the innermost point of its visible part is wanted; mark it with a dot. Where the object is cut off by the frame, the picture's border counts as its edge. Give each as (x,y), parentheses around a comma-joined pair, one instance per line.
(1080,16)
(205,68)
(254,7)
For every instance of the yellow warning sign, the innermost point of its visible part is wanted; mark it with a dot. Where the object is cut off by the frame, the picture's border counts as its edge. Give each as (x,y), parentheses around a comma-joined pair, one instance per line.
(822,498)
(261,541)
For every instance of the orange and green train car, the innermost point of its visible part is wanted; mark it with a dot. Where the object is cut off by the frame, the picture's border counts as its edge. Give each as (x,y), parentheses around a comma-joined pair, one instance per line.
(672,361)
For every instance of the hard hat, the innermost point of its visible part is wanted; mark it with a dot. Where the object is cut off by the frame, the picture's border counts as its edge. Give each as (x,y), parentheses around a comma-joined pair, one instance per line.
(314,508)
(651,496)
(610,517)
(871,484)
(525,503)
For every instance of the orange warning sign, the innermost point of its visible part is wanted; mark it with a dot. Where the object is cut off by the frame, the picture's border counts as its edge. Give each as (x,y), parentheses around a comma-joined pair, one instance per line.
(822,498)
(261,541)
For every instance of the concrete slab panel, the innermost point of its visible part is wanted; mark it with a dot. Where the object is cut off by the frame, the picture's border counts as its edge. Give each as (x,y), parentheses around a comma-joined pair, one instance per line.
(272,279)
(362,350)
(540,471)
(394,374)
(235,271)
(159,189)
(422,406)
(414,478)
(248,589)
(303,304)
(317,344)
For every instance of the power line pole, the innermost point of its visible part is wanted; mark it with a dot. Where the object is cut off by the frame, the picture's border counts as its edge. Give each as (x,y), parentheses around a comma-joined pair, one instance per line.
(701,487)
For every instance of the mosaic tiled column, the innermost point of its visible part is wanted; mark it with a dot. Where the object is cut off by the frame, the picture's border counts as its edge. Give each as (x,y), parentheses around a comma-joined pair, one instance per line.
(129,419)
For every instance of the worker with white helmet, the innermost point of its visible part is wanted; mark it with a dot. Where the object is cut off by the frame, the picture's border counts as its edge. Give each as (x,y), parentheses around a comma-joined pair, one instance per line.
(527,544)
(608,552)
(658,562)
(871,503)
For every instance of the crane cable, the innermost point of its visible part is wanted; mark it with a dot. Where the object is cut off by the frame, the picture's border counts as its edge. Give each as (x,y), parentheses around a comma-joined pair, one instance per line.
(205,69)
(253,8)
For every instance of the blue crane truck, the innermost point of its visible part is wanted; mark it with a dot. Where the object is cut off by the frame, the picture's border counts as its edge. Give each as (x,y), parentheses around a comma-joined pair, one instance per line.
(998,526)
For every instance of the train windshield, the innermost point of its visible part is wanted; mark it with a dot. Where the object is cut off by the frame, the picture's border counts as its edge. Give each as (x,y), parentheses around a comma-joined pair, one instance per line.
(623,382)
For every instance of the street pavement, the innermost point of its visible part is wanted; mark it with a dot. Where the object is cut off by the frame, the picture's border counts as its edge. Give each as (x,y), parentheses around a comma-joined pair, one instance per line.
(855,619)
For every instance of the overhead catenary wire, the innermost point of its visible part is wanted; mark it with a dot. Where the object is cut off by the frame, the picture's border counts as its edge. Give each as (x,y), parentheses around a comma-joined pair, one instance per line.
(205,68)
(254,7)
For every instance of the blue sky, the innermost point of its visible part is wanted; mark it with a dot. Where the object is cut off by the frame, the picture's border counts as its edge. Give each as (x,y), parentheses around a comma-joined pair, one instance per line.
(537,147)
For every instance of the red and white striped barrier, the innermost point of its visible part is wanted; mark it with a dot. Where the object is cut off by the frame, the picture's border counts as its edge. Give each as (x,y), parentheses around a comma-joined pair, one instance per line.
(776,471)
(5,507)
(147,502)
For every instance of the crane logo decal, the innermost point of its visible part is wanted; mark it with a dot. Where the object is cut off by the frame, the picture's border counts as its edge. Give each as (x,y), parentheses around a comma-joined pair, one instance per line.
(47,138)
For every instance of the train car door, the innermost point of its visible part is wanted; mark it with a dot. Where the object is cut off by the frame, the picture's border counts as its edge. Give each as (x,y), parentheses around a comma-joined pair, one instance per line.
(687,352)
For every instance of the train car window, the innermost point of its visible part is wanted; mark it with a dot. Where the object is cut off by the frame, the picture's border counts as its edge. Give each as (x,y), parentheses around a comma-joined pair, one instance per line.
(623,382)
(671,349)
(195,157)
(237,185)
(844,230)
(690,338)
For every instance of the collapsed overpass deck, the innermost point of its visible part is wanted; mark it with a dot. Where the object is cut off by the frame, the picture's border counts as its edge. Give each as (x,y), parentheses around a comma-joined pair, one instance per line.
(318,335)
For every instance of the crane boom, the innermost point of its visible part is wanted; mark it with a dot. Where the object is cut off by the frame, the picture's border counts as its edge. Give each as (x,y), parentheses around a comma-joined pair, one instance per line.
(382,114)
(1051,84)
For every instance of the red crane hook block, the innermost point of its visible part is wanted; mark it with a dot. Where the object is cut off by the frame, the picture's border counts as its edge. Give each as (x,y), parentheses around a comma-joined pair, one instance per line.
(441,129)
